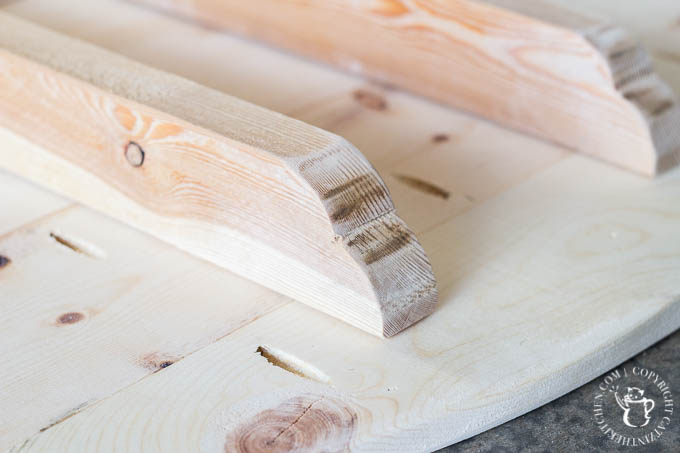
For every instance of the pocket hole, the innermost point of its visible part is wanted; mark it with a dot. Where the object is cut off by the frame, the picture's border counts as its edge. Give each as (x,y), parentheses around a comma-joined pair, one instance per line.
(78,246)
(292,364)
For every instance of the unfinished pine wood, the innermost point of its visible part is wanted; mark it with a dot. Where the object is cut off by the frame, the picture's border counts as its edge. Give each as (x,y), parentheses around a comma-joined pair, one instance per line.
(553,269)
(16,211)
(295,208)
(89,306)
(564,76)
(657,29)
(546,291)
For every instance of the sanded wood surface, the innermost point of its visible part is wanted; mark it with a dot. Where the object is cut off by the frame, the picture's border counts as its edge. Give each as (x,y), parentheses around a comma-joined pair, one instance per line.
(290,206)
(571,78)
(17,212)
(552,269)
(91,306)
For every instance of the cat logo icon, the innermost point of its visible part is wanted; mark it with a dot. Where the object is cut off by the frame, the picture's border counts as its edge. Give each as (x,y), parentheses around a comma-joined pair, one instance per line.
(633,406)
(636,408)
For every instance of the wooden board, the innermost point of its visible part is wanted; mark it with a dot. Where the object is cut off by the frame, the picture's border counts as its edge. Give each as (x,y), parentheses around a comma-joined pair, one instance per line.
(288,205)
(542,68)
(552,268)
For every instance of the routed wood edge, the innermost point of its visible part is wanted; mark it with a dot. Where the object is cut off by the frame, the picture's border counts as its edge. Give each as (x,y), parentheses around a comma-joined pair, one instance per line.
(631,72)
(364,218)
(291,206)
(633,76)
(532,65)
(398,268)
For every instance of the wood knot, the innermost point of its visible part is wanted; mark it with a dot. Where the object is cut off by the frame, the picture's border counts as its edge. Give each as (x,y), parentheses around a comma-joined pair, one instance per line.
(303,423)
(134,154)
(4,261)
(440,138)
(157,361)
(70,318)
(370,100)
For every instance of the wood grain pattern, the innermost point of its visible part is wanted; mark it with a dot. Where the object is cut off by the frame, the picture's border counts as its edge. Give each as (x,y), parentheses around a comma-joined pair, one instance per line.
(553,267)
(14,209)
(295,208)
(532,65)
(63,308)
(546,291)
(302,423)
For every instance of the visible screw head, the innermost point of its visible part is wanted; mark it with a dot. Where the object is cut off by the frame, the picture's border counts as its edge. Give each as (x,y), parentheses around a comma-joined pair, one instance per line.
(134,154)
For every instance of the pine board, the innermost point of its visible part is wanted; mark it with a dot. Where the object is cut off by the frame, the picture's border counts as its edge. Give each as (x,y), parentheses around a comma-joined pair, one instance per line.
(22,203)
(550,71)
(552,269)
(290,206)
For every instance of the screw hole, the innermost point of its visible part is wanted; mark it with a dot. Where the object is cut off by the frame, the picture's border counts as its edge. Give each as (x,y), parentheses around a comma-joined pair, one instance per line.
(134,154)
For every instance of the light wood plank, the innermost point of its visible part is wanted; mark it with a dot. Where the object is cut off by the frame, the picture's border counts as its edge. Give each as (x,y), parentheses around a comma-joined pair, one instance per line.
(285,204)
(89,306)
(21,202)
(492,259)
(551,285)
(658,28)
(532,65)
(463,156)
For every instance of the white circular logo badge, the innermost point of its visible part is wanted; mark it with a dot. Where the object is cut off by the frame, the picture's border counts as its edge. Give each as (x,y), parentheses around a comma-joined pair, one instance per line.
(633,406)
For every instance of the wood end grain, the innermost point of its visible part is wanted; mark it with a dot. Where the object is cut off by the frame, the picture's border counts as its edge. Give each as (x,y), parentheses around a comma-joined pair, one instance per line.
(363,216)
(634,78)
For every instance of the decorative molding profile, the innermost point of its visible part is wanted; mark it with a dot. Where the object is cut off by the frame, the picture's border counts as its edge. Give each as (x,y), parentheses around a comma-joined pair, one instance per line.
(273,199)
